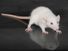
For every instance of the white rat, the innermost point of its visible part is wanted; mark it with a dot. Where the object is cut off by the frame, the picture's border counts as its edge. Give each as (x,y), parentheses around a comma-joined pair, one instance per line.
(42,17)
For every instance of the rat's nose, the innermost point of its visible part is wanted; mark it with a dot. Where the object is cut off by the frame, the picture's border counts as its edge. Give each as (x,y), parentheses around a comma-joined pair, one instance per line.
(57,28)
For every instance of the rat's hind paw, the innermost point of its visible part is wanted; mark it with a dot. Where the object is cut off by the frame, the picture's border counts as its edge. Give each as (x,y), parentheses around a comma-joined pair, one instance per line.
(28,29)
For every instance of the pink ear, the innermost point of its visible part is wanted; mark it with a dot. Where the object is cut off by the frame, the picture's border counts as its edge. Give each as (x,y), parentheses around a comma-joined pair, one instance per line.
(58,17)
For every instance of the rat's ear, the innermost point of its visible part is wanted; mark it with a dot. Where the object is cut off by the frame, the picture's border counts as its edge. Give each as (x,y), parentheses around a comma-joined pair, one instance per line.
(58,17)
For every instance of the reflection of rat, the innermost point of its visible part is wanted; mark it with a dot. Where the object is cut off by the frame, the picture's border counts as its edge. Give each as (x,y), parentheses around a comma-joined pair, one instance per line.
(43,17)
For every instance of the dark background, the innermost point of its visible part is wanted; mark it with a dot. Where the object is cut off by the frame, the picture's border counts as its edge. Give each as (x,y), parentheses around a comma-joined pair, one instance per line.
(18,39)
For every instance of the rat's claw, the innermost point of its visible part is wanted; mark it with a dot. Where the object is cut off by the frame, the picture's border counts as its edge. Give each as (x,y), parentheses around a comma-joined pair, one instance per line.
(28,29)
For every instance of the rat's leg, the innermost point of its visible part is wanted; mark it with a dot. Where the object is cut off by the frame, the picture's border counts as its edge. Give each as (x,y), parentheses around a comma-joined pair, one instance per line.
(59,31)
(43,29)
(29,29)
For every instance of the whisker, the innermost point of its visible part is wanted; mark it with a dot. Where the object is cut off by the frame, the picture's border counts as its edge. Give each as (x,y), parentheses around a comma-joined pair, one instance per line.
(61,26)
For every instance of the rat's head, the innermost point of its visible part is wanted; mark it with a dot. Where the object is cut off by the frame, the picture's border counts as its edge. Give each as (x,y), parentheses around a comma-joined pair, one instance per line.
(53,22)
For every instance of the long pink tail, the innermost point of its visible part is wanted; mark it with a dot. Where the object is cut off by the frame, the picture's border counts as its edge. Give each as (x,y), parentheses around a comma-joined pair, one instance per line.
(14,16)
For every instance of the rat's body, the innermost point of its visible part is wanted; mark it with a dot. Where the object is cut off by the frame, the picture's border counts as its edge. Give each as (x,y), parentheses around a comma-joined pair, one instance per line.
(43,17)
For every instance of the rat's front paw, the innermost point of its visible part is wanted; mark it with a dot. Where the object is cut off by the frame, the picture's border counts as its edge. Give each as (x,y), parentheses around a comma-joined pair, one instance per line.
(59,31)
(28,29)
(45,32)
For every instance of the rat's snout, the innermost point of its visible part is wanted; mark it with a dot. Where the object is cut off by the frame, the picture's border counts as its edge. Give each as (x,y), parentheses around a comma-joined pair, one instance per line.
(56,28)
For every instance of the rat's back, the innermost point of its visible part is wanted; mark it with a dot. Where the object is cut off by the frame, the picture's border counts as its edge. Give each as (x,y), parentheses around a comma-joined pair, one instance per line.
(39,13)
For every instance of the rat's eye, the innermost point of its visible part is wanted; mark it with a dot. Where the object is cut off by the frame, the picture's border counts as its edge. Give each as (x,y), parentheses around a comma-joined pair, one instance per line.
(51,23)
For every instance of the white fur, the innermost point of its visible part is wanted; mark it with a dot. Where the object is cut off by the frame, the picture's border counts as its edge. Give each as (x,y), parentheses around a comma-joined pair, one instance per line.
(43,16)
